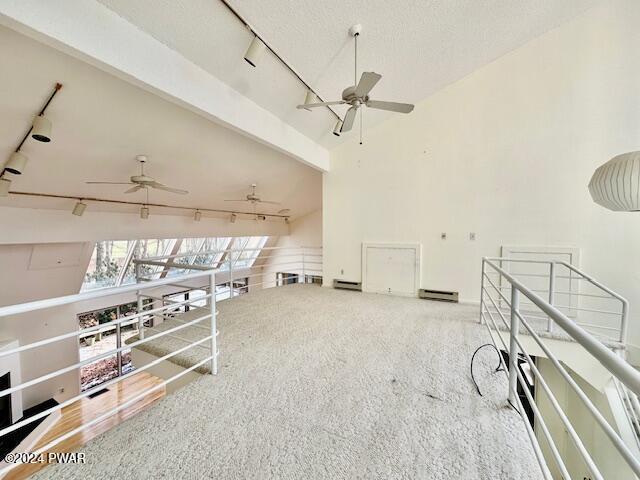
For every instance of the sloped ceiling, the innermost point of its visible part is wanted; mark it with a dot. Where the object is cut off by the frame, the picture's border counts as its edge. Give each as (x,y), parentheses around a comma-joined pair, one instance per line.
(418,46)
(100,123)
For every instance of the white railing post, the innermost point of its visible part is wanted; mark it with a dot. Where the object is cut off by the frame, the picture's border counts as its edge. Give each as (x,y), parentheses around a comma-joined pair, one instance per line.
(513,344)
(482,291)
(552,286)
(230,277)
(214,328)
(304,277)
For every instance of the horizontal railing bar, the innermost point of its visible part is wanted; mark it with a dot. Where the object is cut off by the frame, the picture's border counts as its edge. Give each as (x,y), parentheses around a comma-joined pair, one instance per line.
(92,390)
(90,295)
(106,415)
(609,431)
(625,372)
(94,359)
(552,400)
(182,339)
(593,310)
(86,331)
(210,252)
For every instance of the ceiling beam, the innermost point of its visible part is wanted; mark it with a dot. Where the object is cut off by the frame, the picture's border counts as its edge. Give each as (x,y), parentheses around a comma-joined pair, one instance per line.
(91,32)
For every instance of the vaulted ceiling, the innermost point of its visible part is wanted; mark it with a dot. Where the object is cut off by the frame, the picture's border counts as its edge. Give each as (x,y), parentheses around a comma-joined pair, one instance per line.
(100,123)
(418,46)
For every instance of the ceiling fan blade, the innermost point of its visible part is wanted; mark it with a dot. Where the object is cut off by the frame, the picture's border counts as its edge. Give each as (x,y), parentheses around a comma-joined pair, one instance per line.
(267,201)
(367,81)
(391,106)
(307,106)
(134,189)
(347,123)
(243,200)
(109,183)
(160,186)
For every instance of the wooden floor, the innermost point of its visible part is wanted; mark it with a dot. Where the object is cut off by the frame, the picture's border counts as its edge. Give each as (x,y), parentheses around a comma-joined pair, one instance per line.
(87,409)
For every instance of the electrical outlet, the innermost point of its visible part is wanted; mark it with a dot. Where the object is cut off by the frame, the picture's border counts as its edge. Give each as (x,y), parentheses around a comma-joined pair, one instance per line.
(443,236)
(472,236)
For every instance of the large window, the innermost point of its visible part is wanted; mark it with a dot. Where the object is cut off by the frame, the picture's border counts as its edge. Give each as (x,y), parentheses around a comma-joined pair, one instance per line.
(111,263)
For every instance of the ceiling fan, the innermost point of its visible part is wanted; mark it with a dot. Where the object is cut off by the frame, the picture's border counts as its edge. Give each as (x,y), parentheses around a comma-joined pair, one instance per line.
(142,181)
(358,94)
(253,198)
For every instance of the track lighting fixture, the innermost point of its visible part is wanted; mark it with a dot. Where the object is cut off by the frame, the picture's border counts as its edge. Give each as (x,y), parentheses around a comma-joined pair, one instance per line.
(310,98)
(17,162)
(197,216)
(337,128)
(79,208)
(233,218)
(5,185)
(41,130)
(255,51)
(144,212)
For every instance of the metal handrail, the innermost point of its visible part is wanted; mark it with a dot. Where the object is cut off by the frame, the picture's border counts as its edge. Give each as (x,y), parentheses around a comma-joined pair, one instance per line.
(612,362)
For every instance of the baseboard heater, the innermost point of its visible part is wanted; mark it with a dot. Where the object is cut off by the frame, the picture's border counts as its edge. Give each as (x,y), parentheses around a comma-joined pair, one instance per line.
(346,285)
(440,295)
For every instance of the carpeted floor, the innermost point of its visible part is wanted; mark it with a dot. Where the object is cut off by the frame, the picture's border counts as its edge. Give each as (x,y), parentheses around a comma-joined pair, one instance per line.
(318,383)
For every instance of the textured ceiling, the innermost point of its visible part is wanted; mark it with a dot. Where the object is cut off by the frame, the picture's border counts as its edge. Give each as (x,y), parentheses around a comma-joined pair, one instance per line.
(100,123)
(419,46)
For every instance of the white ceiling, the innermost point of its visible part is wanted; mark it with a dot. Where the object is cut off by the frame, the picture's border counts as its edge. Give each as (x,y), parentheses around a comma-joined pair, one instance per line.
(418,46)
(100,123)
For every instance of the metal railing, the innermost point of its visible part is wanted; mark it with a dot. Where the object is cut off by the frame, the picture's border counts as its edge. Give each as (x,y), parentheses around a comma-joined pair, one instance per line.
(496,308)
(235,271)
(209,341)
(601,311)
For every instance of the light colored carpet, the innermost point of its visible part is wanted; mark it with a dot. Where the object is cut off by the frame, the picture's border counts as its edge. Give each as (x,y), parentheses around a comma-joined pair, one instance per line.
(318,383)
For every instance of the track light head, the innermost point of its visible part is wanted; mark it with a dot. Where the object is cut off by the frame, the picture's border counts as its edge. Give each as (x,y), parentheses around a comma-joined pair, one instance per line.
(5,185)
(337,128)
(17,162)
(79,208)
(197,216)
(310,98)
(255,51)
(41,129)
(144,212)
(233,218)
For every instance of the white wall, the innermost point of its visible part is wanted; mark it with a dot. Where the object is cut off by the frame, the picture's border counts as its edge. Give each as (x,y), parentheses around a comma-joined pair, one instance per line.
(604,454)
(24,280)
(507,153)
(305,231)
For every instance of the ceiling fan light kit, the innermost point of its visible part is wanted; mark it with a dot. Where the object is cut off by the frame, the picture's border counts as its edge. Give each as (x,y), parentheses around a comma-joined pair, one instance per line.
(357,95)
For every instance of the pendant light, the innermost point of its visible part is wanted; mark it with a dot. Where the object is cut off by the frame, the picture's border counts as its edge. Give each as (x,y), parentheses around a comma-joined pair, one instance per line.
(197,216)
(337,128)
(616,184)
(233,218)
(144,212)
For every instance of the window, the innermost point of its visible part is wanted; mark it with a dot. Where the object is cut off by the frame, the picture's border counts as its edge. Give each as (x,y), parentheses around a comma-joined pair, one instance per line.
(112,260)
(284,278)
